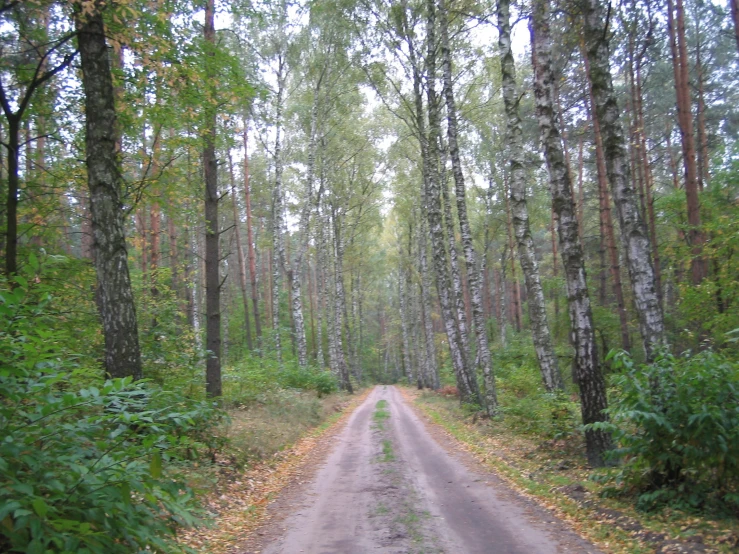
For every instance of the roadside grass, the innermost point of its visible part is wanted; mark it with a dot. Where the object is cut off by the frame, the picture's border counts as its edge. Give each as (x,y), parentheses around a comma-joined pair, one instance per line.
(554,471)
(259,430)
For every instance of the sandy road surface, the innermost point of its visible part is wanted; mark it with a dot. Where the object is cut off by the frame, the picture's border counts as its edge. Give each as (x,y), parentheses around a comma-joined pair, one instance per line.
(388,486)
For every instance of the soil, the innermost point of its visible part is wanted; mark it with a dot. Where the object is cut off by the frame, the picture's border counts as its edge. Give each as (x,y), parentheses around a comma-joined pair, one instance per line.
(392,485)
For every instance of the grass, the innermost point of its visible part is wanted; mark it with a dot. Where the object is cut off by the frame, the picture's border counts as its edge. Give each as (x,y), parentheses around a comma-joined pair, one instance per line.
(380,414)
(387,451)
(543,467)
(261,429)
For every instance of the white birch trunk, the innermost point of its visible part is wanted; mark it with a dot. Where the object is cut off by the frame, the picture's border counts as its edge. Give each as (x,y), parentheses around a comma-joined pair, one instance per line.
(634,232)
(548,364)
(587,371)
(470,256)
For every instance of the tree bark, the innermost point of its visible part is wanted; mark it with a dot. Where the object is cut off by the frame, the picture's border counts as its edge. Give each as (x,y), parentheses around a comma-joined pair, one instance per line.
(587,370)
(303,238)
(633,231)
(251,254)
(678,46)
(115,297)
(240,256)
(470,256)
(213,385)
(548,363)
(466,381)
(278,247)
(404,325)
(609,236)
(515,297)
(649,183)
(339,301)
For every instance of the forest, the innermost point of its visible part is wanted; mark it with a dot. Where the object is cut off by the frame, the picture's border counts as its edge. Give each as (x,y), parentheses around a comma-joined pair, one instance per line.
(210,206)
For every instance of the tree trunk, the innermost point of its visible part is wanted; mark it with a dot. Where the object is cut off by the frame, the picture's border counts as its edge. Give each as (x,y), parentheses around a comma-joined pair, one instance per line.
(213,385)
(320,303)
(633,231)
(115,297)
(587,370)
(340,302)
(304,237)
(609,237)
(678,46)
(432,366)
(240,255)
(703,159)
(278,248)
(548,363)
(515,297)
(404,326)
(470,256)
(460,308)
(466,381)
(649,183)
(251,254)
(11,205)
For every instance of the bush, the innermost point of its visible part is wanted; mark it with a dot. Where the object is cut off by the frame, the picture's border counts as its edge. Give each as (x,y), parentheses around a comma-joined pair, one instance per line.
(84,469)
(676,422)
(255,379)
(527,407)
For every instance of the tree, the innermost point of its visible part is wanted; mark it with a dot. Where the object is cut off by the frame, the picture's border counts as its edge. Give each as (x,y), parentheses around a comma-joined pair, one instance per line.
(36,59)
(470,256)
(587,370)
(634,233)
(212,234)
(537,308)
(114,294)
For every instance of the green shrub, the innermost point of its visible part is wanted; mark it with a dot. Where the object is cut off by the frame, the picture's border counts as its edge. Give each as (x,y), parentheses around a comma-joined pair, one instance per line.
(676,423)
(84,468)
(528,408)
(255,379)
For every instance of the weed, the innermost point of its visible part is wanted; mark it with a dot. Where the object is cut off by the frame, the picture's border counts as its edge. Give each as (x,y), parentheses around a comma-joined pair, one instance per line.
(380,414)
(387,451)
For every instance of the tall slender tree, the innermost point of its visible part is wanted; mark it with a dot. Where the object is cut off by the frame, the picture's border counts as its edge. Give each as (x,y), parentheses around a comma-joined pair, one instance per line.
(114,294)
(634,233)
(527,256)
(470,256)
(587,370)
(213,384)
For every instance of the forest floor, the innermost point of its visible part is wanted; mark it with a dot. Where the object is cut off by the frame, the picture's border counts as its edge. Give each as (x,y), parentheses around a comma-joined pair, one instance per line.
(386,484)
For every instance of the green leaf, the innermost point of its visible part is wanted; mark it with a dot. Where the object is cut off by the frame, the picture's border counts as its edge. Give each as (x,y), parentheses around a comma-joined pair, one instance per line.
(155,467)
(40,507)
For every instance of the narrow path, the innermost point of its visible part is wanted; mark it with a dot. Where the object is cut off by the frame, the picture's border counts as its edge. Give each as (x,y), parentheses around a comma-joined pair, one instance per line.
(389,487)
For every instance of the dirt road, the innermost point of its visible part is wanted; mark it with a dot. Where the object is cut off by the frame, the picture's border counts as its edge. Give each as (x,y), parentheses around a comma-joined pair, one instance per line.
(388,486)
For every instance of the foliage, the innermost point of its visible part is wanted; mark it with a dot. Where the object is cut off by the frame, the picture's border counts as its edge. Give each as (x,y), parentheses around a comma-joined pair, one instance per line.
(84,468)
(676,422)
(254,378)
(525,404)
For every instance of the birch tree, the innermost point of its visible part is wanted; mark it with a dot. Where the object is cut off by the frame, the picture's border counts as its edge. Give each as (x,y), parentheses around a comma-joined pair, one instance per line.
(527,256)
(634,233)
(115,296)
(586,368)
